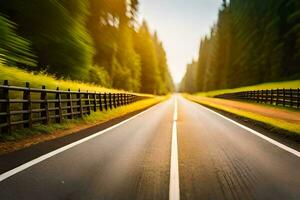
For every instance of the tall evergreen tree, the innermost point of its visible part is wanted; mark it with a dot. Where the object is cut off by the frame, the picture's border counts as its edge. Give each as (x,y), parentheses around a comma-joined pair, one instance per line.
(252,42)
(145,47)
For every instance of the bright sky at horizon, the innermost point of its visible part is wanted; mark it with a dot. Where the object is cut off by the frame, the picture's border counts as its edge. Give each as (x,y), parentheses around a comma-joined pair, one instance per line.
(180,25)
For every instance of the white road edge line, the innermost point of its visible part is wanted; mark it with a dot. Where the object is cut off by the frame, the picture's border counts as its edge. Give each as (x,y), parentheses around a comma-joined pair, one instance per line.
(174,191)
(35,161)
(274,142)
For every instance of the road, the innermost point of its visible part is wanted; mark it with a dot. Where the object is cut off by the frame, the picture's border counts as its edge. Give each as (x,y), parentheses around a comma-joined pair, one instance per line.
(216,159)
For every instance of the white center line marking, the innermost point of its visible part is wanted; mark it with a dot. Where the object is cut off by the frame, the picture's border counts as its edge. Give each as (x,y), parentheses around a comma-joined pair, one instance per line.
(274,142)
(57,151)
(174,192)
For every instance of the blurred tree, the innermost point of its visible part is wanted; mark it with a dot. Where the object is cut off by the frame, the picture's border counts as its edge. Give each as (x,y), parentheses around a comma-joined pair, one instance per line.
(111,27)
(145,47)
(189,81)
(14,50)
(90,40)
(56,30)
(252,42)
(164,81)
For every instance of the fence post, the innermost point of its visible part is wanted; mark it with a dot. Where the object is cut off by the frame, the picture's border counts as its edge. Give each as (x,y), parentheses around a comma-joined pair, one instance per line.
(257,96)
(95,102)
(260,96)
(277,97)
(100,102)
(271,97)
(88,101)
(79,103)
(105,101)
(58,110)
(291,98)
(70,105)
(283,97)
(27,107)
(110,101)
(115,100)
(298,98)
(118,99)
(5,108)
(122,99)
(44,105)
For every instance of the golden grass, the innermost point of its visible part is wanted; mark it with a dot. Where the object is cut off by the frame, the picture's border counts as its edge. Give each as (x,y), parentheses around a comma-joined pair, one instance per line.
(19,77)
(287,84)
(281,124)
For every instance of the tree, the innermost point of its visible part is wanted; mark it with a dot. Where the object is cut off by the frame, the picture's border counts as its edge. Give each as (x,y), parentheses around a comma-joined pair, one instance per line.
(145,47)
(14,50)
(57,33)
(91,40)
(252,42)
(189,82)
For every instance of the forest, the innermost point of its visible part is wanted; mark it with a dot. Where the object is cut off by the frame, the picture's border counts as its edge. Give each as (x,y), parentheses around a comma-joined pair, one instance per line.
(92,41)
(252,42)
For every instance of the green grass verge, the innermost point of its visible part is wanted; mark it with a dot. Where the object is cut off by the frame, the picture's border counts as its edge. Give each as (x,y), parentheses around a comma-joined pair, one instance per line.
(292,128)
(88,120)
(287,84)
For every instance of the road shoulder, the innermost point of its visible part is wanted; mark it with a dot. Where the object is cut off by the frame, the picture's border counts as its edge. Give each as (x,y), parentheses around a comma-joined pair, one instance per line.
(285,137)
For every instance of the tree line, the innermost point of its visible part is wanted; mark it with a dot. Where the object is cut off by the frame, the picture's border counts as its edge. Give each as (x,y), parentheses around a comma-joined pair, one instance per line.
(252,42)
(96,41)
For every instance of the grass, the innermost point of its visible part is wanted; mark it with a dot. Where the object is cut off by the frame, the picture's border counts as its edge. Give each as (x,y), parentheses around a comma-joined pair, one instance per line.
(25,137)
(292,128)
(287,84)
(19,77)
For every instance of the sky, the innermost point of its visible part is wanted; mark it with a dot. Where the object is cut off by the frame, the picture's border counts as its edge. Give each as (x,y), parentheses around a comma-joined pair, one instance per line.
(180,25)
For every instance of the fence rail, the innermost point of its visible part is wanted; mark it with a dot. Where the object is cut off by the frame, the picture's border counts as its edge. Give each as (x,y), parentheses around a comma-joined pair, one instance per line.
(25,106)
(279,97)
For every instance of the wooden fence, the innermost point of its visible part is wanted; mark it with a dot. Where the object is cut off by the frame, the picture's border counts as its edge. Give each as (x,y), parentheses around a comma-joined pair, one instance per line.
(21,107)
(279,97)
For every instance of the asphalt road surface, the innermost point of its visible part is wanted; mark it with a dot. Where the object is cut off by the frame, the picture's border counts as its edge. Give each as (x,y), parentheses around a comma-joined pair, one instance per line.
(216,159)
